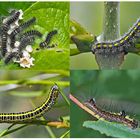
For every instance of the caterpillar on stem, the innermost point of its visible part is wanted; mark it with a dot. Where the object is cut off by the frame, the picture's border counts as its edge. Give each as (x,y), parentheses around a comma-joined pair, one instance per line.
(123,44)
(109,116)
(32,114)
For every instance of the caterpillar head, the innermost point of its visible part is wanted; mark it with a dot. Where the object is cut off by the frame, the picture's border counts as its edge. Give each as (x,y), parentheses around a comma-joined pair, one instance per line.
(55,91)
(90,102)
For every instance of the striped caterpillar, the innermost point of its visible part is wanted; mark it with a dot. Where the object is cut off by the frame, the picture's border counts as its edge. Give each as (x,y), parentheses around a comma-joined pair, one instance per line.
(32,33)
(32,114)
(112,117)
(20,29)
(48,39)
(23,26)
(11,56)
(25,41)
(123,44)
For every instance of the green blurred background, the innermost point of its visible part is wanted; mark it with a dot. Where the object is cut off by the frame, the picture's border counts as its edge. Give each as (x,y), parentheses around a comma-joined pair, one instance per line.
(113,90)
(22,97)
(90,16)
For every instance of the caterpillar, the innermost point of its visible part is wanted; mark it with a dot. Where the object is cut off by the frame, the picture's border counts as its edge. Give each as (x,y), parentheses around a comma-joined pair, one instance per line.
(48,39)
(122,44)
(12,41)
(23,26)
(25,41)
(27,23)
(12,18)
(112,117)
(35,113)
(11,56)
(32,33)
(20,29)
(4,44)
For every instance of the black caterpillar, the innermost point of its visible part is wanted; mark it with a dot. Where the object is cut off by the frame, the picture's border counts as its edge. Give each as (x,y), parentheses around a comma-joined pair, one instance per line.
(11,56)
(32,33)
(26,41)
(20,29)
(23,26)
(14,41)
(48,39)
(4,44)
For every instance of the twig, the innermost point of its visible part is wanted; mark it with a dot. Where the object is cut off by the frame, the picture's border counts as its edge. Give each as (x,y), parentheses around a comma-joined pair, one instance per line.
(111,31)
(81,105)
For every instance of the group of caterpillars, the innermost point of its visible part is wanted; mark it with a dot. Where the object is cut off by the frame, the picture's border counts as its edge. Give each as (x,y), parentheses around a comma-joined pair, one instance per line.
(13,41)
(110,116)
(35,113)
(124,44)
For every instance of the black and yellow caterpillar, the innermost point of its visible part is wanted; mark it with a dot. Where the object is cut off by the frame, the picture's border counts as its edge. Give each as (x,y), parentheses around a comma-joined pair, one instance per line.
(123,44)
(32,114)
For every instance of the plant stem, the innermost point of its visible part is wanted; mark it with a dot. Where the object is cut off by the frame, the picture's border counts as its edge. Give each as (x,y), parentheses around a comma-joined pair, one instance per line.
(111,22)
(82,106)
(111,31)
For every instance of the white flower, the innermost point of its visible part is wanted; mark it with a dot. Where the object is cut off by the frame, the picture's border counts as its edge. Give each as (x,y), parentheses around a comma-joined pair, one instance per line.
(26,62)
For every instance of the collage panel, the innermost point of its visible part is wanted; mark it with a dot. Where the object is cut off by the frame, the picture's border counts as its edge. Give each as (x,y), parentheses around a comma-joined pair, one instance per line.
(105,104)
(34,104)
(34,35)
(104,35)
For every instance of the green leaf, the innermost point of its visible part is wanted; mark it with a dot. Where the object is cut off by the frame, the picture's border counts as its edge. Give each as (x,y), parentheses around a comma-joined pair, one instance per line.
(6,6)
(50,16)
(113,129)
(81,38)
(76,28)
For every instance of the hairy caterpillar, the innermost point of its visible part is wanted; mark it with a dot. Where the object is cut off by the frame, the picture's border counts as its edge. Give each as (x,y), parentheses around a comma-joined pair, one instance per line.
(23,26)
(28,23)
(48,39)
(4,44)
(20,29)
(12,18)
(32,33)
(25,41)
(123,44)
(32,114)
(11,56)
(112,117)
